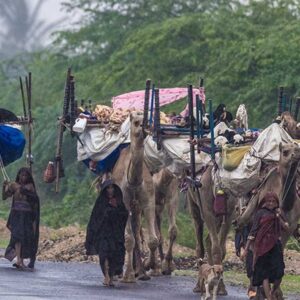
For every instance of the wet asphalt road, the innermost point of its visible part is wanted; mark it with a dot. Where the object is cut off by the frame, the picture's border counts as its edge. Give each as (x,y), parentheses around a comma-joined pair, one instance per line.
(84,281)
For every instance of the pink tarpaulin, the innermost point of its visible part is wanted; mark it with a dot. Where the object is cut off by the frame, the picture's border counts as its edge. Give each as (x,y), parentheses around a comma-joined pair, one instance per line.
(166,96)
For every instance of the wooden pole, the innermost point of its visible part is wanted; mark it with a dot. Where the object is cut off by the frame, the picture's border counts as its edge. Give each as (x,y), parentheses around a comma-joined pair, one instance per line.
(58,157)
(211,126)
(199,119)
(192,131)
(28,80)
(297,108)
(152,105)
(23,97)
(72,103)
(157,131)
(146,103)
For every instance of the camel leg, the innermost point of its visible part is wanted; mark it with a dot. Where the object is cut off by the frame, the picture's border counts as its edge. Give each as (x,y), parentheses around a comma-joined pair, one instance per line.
(149,213)
(140,272)
(198,225)
(128,275)
(159,207)
(168,265)
(224,229)
(208,249)
(216,251)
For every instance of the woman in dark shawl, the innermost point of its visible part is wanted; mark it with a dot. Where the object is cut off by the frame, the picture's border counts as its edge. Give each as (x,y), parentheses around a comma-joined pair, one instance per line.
(23,220)
(106,231)
(264,239)
(222,115)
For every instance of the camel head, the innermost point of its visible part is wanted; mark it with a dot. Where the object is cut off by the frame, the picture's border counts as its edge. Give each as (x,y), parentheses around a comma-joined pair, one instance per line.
(289,153)
(290,125)
(136,130)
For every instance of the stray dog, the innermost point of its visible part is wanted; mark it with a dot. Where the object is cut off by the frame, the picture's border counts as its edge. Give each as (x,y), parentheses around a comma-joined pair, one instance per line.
(209,277)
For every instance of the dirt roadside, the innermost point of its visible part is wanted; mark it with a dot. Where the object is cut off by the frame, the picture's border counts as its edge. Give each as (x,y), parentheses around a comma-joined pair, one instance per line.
(67,245)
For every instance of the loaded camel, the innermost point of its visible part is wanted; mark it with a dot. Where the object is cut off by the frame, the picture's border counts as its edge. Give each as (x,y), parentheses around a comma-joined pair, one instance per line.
(289,171)
(218,227)
(131,174)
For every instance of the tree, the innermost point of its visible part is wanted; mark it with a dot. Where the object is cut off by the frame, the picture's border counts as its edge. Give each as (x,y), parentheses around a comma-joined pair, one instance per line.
(106,23)
(22,29)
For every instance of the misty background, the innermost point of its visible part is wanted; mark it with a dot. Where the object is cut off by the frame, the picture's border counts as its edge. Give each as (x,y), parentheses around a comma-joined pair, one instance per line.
(27,25)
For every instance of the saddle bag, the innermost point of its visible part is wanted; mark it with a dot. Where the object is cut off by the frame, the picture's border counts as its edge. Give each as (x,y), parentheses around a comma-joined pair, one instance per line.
(49,174)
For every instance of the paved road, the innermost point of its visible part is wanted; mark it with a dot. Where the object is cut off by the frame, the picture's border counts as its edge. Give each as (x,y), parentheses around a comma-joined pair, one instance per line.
(84,281)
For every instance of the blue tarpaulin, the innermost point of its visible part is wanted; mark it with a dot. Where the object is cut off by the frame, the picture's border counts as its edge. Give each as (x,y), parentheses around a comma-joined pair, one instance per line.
(108,163)
(12,143)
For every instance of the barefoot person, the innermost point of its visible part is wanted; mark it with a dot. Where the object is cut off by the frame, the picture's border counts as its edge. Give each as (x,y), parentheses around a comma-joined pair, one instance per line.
(264,239)
(106,230)
(23,220)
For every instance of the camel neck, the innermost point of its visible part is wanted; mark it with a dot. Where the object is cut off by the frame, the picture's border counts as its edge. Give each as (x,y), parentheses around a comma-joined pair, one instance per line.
(135,170)
(166,178)
(289,191)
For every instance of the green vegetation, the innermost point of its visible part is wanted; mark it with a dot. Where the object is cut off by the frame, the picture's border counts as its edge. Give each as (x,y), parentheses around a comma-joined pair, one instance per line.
(3,243)
(290,283)
(244,52)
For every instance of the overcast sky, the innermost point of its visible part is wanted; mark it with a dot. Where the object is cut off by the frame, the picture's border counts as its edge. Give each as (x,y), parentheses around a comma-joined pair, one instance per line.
(52,11)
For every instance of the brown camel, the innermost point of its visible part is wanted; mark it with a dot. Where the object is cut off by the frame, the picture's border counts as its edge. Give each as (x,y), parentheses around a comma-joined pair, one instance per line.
(290,125)
(218,227)
(136,183)
(166,194)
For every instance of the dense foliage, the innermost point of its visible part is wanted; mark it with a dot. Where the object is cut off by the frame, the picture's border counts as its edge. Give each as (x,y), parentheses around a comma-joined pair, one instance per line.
(244,52)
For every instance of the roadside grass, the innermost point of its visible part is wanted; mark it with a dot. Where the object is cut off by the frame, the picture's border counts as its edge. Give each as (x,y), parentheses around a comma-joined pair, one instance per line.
(290,283)
(3,243)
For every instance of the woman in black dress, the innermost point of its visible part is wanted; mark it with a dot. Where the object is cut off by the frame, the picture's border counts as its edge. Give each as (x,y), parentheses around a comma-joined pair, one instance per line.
(106,231)
(23,220)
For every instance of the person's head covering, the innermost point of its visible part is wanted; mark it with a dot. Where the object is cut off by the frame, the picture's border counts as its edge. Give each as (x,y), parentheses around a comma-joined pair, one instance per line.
(99,214)
(267,196)
(219,110)
(29,176)
(221,114)
(117,191)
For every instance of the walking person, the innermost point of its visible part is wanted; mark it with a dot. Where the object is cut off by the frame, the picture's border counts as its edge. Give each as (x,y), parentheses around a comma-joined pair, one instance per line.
(23,220)
(106,231)
(265,241)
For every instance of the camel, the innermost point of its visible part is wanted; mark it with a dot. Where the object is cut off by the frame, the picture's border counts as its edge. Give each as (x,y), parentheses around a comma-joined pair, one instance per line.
(218,227)
(166,194)
(290,125)
(131,174)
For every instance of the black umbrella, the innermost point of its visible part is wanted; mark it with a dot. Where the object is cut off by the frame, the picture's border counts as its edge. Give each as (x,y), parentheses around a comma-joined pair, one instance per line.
(7,116)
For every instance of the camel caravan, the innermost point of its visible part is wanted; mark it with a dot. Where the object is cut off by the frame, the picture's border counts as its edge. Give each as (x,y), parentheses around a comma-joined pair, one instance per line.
(223,165)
